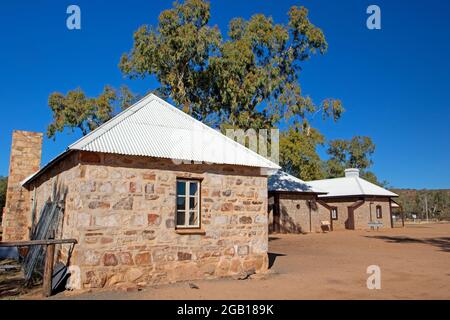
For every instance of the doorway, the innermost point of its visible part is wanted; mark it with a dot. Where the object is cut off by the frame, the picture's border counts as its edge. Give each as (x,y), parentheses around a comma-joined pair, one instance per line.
(350,223)
(276,225)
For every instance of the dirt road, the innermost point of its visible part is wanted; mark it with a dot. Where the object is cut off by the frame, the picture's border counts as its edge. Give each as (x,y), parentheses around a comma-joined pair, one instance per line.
(414,262)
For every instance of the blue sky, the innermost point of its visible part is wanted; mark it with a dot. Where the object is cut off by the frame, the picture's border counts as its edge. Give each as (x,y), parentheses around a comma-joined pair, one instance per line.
(394,82)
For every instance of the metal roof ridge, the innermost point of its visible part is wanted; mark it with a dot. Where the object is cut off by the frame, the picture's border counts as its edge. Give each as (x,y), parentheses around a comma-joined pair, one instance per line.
(108,125)
(216,132)
(359,184)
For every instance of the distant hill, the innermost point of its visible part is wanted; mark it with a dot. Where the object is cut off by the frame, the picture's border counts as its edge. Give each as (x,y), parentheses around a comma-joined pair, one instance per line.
(415,201)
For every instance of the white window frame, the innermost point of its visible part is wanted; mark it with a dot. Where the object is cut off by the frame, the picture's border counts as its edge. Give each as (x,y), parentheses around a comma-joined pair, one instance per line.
(335,209)
(379,216)
(186,210)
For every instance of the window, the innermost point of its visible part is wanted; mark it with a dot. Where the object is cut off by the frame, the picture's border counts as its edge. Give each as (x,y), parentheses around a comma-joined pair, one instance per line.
(188,199)
(379,213)
(334,213)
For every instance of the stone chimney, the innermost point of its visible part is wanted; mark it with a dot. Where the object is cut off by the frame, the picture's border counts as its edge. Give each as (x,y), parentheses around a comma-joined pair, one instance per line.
(25,159)
(352,172)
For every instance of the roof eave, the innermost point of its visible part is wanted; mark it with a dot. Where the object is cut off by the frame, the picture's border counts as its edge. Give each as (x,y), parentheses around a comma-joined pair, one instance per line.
(41,171)
(295,191)
(360,195)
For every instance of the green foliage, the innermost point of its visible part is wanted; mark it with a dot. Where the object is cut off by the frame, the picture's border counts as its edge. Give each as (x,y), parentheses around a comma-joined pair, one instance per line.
(298,154)
(354,153)
(3,186)
(247,81)
(437,202)
(75,110)
(177,52)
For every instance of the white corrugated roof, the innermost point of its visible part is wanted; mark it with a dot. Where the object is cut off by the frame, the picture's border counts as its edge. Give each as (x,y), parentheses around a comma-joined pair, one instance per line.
(394,204)
(152,127)
(283,182)
(350,186)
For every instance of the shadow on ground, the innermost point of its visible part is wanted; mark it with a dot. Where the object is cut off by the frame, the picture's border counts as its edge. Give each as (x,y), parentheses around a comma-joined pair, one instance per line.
(273,257)
(443,243)
(12,282)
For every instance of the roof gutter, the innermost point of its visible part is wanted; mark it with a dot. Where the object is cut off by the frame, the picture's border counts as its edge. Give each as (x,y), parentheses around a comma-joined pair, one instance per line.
(359,196)
(296,192)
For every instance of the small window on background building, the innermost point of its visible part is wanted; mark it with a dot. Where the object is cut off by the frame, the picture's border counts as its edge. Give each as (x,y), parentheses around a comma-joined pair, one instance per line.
(379,213)
(188,199)
(334,213)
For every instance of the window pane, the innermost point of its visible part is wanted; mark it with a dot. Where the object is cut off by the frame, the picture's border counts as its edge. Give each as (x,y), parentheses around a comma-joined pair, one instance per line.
(193,187)
(181,203)
(193,218)
(334,213)
(181,188)
(378,212)
(192,203)
(180,218)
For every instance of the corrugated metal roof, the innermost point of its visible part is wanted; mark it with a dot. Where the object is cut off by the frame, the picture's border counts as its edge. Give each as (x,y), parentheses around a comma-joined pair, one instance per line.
(152,127)
(350,186)
(281,181)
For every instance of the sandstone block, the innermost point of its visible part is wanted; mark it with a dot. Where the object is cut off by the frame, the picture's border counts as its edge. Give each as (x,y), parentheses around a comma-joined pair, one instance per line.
(95,279)
(126,258)
(134,274)
(91,258)
(83,220)
(105,187)
(243,250)
(227,206)
(142,258)
(149,176)
(124,204)
(99,205)
(110,259)
(87,187)
(261,219)
(149,188)
(153,219)
(149,234)
(221,220)
(245,220)
(184,256)
(111,220)
(170,223)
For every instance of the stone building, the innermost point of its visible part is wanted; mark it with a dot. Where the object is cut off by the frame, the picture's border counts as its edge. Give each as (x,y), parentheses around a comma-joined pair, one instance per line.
(355,203)
(25,159)
(293,205)
(350,202)
(155,196)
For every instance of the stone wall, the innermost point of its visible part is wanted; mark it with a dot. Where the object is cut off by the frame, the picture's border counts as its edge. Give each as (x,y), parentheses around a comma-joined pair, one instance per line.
(361,214)
(25,160)
(64,177)
(122,209)
(299,213)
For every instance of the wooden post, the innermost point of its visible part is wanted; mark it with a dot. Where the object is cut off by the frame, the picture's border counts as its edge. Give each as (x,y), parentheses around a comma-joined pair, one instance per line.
(403,217)
(48,271)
